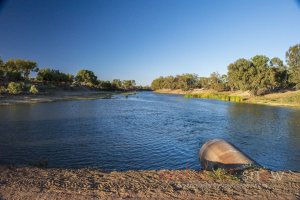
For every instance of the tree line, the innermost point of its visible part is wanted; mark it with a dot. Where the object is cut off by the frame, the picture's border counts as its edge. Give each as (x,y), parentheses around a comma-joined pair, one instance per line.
(259,75)
(15,79)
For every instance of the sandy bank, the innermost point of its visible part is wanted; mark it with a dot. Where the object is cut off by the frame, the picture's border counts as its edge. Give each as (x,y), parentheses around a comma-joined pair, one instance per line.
(280,98)
(35,183)
(56,96)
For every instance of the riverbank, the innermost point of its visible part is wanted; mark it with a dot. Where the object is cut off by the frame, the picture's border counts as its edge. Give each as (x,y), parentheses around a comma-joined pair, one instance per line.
(36,183)
(56,96)
(281,98)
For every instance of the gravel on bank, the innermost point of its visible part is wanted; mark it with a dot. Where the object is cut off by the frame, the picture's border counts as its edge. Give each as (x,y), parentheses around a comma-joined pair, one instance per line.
(51,183)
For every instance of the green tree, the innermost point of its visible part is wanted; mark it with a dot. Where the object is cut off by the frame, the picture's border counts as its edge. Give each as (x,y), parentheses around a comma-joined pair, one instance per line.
(13,76)
(105,85)
(277,62)
(157,83)
(259,74)
(281,72)
(11,71)
(203,82)
(45,74)
(241,74)
(170,82)
(187,81)
(216,82)
(86,77)
(26,66)
(293,61)
(10,66)
(117,83)
(52,75)
(128,84)
(260,79)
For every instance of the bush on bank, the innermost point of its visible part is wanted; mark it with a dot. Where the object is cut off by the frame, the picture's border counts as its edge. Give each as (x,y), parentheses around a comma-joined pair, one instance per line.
(15,88)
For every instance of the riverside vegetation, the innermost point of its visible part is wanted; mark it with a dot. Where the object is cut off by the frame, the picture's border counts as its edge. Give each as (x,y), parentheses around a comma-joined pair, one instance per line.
(15,80)
(259,76)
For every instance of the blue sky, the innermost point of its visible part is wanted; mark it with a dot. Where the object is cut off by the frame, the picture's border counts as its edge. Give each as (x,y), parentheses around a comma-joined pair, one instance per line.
(143,39)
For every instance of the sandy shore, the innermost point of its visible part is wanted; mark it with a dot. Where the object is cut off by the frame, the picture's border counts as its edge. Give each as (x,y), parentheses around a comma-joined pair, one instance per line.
(281,98)
(57,96)
(35,183)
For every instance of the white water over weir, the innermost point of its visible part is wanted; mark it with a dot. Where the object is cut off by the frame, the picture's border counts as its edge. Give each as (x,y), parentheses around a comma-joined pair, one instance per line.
(218,153)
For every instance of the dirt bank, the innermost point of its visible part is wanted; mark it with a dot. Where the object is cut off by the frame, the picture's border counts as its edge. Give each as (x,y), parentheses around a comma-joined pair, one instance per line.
(280,98)
(35,183)
(55,96)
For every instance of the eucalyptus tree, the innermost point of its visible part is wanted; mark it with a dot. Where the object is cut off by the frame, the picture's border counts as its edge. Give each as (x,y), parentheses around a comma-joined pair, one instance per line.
(25,67)
(117,83)
(128,84)
(86,77)
(157,83)
(240,74)
(52,75)
(187,81)
(293,62)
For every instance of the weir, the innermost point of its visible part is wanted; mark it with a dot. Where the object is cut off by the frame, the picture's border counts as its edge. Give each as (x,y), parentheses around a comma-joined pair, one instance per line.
(218,153)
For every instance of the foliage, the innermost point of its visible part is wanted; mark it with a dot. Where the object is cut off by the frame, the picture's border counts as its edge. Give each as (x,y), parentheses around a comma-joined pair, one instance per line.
(116,83)
(218,82)
(258,73)
(52,75)
(86,77)
(293,61)
(15,88)
(184,82)
(2,89)
(16,70)
(128,84)
(204,82)
(26,66)
(13,76)
(19,66)
(218,96)
(33,89)
(105,85)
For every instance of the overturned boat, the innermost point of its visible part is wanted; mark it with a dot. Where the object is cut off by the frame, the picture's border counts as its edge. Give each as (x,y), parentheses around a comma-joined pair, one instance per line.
(218,153)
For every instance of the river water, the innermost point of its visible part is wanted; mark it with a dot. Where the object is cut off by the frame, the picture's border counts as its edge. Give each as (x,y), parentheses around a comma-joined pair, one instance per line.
(145,131)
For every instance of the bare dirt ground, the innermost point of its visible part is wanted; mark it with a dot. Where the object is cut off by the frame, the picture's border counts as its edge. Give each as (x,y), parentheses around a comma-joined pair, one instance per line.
(35,183)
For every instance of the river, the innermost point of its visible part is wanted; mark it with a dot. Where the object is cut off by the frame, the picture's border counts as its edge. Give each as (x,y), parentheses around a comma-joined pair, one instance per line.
(145,131)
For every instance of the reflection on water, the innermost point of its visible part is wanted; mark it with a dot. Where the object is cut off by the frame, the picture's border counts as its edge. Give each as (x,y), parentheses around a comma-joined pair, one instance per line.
(145,131)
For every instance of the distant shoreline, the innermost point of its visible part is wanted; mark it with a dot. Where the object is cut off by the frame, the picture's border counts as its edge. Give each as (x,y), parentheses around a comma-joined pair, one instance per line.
(52,183)
(286,98)
(56,96)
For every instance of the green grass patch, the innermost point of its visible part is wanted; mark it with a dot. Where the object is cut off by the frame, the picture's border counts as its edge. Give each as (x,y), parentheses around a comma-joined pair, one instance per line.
(218,96)
(222,174)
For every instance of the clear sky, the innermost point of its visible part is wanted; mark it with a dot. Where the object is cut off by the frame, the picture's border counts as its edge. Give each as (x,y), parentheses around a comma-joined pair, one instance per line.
(143,39)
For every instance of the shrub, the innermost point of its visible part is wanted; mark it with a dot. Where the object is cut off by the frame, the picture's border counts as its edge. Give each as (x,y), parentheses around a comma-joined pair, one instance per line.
(33,89)
(3,89)
(14,88)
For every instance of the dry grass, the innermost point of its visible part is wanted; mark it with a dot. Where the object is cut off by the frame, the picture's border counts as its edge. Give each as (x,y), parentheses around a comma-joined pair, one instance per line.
(280,98)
